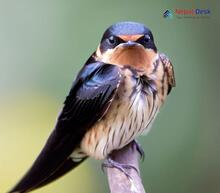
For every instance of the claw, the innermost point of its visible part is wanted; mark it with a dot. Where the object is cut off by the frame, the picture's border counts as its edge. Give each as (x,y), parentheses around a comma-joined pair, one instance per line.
(140,149)
(110,163)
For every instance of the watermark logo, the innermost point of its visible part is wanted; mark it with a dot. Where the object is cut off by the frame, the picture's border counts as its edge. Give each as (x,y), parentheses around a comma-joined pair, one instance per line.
(168,14)
(187,13)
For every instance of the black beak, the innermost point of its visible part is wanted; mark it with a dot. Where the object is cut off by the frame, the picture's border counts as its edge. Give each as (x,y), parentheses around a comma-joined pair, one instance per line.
(129,44)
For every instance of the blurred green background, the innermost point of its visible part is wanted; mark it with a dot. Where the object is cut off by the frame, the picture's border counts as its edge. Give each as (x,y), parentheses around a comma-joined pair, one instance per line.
(43,44)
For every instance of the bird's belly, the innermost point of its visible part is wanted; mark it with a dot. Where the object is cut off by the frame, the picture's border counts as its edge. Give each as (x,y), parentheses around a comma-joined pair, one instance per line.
(128,116)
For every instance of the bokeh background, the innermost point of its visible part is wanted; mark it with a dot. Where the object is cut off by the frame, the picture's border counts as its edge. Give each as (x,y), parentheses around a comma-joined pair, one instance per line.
(43,44)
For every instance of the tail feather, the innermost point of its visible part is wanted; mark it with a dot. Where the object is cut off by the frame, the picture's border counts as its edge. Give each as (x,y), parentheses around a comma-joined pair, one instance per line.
(68,165)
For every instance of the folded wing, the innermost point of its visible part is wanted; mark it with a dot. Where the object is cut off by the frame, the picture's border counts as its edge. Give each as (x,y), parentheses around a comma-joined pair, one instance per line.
(88,100)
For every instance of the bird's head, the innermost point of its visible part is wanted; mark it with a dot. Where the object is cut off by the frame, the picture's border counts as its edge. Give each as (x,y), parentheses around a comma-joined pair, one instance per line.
(127,43)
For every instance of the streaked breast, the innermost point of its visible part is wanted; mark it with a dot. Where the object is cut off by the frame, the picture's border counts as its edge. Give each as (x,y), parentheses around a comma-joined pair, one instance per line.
(130,114)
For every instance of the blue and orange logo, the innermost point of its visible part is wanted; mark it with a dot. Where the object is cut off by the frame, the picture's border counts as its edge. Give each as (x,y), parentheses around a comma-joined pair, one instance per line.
(167,14)
(187,13)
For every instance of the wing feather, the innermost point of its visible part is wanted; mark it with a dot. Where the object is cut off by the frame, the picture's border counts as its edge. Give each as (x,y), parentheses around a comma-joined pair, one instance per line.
(88,100)
(169,70)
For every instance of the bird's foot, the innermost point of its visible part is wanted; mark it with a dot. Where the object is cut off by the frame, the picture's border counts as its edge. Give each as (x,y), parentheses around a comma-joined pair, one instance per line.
(140,149)
(110,163)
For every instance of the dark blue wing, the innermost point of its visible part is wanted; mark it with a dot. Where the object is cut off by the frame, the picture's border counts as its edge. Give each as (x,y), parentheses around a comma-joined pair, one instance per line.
(88,100)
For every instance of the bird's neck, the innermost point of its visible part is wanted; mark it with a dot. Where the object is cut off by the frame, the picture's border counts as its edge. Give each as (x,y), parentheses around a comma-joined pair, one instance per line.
(135,57)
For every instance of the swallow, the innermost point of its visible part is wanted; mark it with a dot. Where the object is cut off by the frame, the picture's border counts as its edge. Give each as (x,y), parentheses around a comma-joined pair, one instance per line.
(113,100)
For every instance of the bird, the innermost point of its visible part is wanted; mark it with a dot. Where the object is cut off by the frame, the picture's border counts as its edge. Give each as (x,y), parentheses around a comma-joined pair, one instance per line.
(113,100)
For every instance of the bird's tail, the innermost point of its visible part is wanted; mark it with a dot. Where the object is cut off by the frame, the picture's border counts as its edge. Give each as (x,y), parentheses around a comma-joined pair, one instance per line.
(23,185)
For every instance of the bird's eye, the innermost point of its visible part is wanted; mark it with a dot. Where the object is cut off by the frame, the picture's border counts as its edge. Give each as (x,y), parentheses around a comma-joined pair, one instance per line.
(112,40)
(147,38)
